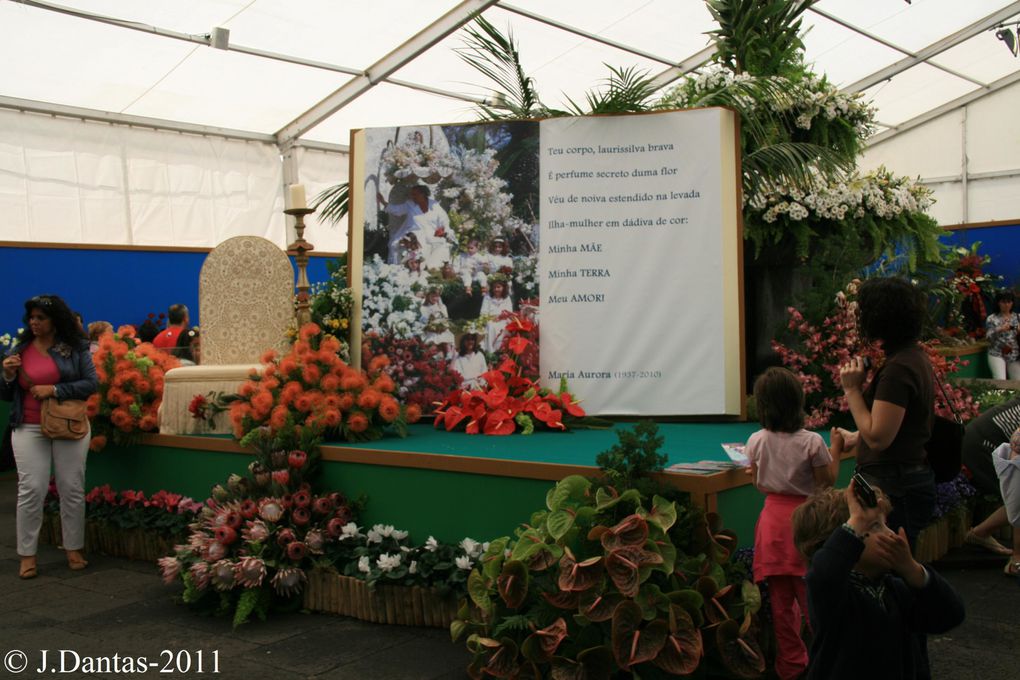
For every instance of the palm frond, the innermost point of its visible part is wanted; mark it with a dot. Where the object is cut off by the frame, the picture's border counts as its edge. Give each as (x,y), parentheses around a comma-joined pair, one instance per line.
(496,57)
(791,164)
(626,90)
(334,203)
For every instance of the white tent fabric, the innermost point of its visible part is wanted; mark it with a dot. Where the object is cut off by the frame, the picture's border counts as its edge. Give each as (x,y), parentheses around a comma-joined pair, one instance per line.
(393,62)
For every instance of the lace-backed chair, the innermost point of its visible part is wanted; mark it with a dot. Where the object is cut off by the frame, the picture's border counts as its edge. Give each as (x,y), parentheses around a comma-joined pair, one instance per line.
(246,305)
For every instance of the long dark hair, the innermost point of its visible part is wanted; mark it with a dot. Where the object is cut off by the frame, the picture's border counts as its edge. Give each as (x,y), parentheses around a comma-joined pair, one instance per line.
(65,326)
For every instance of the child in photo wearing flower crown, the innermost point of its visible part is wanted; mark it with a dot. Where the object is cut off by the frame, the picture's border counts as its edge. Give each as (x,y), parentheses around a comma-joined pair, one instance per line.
(787,464)
(870,602)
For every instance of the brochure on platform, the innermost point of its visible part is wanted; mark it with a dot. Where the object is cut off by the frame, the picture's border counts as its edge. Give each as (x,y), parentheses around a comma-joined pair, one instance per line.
(621,235)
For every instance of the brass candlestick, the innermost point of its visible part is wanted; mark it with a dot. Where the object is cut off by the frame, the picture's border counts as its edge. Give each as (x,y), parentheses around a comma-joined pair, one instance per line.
(299,249)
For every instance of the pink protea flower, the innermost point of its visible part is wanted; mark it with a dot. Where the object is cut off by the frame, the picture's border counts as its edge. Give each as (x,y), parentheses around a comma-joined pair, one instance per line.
(302,498)
(284,537)
(287,581)
(255,532)
(271,510)
(301,516)
(296,459)
(200,574)
(335,527)
(215,552)
(315,541)
(296,551)
(234,520)
(322,505)
(248,508)
(221,575)
(170,569)
(281,477)
(249,572)
(225,534)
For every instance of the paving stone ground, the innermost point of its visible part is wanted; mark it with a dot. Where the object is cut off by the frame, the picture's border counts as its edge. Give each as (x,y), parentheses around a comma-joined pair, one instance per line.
(122,607)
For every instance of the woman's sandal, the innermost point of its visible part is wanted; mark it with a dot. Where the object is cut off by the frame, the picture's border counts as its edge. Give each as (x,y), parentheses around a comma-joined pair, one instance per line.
(28,570)
(1012,568)
(76,561)
(986,542)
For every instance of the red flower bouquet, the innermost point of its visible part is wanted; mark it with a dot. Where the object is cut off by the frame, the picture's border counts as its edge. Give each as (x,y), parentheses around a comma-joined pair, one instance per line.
(511,397)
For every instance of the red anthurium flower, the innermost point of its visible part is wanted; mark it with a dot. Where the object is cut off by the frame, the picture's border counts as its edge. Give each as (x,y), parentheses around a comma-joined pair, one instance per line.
(517,344)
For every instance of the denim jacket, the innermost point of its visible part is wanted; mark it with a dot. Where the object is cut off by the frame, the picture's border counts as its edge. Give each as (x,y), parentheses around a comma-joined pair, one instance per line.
(77,377)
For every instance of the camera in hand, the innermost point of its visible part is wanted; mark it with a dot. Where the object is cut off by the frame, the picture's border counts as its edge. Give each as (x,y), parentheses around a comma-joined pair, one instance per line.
(866,361)
(865,494)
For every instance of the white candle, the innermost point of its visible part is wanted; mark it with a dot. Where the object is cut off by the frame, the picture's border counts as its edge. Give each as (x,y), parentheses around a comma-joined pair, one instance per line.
(295,197)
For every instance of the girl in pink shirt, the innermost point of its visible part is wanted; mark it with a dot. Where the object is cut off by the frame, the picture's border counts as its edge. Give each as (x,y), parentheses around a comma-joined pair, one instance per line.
(788,463)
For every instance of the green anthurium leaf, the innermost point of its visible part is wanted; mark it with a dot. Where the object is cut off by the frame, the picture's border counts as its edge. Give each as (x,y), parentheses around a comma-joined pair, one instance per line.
(538,517)
(632,642)
(478,644)
(663,513)
(457,629)
(751,595)
(512,584)
(478,590)
(585,514)
(651,600)
(527,544)
(691,601)
(492,559)
(464,611)
(572,487)
(668,552)
(605,498)
(559,522)
(541,645)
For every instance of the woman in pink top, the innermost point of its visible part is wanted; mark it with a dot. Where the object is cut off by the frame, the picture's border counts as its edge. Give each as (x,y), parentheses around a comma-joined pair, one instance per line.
(50,360)
(788,463)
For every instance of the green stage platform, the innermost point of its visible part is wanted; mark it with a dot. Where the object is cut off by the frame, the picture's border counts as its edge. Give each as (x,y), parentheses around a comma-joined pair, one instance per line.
(448,485)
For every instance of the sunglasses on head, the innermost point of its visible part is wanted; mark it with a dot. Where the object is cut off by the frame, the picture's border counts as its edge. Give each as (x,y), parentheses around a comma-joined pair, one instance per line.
(44,300)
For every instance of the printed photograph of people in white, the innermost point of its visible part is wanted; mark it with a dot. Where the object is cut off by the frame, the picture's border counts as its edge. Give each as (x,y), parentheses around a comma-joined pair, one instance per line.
(450,249)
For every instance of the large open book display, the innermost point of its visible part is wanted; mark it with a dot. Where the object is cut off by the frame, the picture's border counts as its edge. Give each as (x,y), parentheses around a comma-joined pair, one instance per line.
(621,234)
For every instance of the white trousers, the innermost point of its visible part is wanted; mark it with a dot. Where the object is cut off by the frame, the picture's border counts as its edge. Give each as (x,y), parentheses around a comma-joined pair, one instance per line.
(35,455)
(998,366)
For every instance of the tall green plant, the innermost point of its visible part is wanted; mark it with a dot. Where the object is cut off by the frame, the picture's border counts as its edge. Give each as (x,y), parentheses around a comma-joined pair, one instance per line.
(761,37)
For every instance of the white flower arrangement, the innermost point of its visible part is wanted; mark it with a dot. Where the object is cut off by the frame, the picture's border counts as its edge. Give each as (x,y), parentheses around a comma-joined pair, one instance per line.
(389,300)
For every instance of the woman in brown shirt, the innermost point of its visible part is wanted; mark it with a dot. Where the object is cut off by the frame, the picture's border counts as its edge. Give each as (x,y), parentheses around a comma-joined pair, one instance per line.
(894,412)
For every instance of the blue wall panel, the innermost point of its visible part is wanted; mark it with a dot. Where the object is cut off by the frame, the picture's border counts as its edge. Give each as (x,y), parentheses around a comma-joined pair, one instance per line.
(1001,242)
(119,286)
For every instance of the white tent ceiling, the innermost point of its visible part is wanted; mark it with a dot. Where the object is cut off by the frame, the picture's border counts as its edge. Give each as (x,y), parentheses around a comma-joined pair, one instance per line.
(287,57)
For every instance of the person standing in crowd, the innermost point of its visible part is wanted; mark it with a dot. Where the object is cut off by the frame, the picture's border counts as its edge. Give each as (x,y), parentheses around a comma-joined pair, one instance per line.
(1001,329)
(983,436)
(177,322)
(787,464)
(871,603)
(50,360)
(895,411)
(1006,460)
